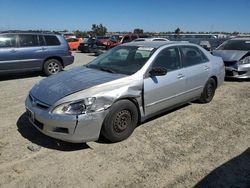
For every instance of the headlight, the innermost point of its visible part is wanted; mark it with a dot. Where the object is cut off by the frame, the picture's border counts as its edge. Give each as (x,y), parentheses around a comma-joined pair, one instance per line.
(75,107)
(246,60)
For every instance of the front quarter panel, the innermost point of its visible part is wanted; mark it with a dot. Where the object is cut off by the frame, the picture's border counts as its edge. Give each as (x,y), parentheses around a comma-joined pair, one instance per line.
(105,95)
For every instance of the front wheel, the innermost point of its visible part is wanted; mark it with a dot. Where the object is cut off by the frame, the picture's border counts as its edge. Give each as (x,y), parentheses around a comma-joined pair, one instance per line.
(208,91)
(52,66)
(121,121)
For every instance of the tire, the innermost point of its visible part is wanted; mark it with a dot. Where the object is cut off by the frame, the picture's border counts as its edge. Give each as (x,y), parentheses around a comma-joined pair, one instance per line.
(208,91)
(52,66)
(120,122)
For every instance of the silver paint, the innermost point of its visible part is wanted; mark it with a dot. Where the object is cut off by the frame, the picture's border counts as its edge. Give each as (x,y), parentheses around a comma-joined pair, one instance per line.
(236,68)
(151,94)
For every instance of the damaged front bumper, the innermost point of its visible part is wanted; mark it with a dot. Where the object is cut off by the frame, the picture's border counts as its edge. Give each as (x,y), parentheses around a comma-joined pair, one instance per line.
(237,70)
(70,128)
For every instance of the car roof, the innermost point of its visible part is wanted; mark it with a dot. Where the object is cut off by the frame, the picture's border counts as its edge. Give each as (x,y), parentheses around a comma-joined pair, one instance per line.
(149,39)
(241,38)
(30,32)
(154,44)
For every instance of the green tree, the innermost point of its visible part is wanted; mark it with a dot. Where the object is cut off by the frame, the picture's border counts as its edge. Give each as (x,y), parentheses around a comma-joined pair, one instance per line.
(99,30)
(80,34)
(177,31)
(138,31)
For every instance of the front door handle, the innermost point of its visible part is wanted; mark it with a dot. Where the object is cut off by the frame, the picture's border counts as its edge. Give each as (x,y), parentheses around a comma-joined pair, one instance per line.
(180,76)
(43,48)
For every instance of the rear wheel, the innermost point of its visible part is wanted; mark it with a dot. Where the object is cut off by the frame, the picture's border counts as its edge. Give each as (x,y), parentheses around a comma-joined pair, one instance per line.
(121,121)
(208,91)
(52,66)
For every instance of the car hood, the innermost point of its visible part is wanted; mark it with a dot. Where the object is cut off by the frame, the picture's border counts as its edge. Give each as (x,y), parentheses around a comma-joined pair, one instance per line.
(230,55)
(53,88)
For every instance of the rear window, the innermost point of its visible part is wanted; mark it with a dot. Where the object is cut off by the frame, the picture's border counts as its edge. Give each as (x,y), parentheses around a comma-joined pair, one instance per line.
(28,40)
(192,56)
(51,40)
(7,41)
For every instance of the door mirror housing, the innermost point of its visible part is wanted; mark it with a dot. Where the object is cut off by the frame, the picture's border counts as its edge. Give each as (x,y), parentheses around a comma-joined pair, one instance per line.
(158,71)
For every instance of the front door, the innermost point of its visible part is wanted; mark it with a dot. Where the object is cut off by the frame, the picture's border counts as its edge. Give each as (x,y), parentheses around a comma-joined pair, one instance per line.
(8,53)
(161,92)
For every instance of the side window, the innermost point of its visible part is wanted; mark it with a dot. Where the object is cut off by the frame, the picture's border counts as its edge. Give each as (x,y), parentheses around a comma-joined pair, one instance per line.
(192,56)
(28,40)
(7,41)
(51,40)
(168,58)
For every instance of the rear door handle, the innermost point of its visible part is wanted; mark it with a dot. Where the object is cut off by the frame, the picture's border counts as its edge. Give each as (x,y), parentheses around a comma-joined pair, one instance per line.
(13,50)
(43,48)
(180,76)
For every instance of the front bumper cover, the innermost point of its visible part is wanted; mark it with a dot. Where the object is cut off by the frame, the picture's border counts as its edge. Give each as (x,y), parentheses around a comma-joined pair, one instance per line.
(70,128)
(238,71)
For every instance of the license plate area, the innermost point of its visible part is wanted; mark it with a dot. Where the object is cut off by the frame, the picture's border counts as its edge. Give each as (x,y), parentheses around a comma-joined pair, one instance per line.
(30,115)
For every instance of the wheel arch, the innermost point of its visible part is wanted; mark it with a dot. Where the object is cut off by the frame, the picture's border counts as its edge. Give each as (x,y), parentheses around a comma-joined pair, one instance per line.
(215,79)
(135,102)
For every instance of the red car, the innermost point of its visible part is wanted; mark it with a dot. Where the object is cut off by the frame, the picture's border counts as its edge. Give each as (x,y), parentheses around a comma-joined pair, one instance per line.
(116,40)
(73,43)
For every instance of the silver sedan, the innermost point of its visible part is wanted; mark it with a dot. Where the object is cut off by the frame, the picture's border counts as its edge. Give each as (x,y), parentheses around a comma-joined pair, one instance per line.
(236,56)
(121,88)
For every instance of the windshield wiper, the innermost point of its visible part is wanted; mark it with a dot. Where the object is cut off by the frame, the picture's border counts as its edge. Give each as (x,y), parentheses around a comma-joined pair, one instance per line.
(107,69)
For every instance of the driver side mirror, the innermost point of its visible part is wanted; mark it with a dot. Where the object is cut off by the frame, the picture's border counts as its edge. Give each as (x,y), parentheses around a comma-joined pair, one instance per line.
(158,71)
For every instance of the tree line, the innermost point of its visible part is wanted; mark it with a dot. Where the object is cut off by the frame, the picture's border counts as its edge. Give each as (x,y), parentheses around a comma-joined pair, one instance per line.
(101,30)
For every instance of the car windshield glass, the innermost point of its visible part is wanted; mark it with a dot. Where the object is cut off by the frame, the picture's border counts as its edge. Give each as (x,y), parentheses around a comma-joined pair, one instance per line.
(236,45)
(122,59)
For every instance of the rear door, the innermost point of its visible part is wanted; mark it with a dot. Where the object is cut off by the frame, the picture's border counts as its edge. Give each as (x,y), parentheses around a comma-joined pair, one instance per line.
(53,46)
(30,52)
(161,92)
(197,68)
(8,57)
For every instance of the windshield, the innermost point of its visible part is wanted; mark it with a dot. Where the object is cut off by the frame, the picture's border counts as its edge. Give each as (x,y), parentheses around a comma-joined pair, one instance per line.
(235,45)
(122,59)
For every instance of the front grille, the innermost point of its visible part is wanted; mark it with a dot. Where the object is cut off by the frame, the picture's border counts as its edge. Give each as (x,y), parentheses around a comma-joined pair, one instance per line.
(61,130)
(38,124)
(36,102)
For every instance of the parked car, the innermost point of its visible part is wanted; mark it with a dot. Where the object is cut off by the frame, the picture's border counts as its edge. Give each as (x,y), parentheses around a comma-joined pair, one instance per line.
(100,40)
(73,43)
(121,88)
(236,56)
(205,44)
(150,39)
(116,40)
(87,44)
(30,51)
